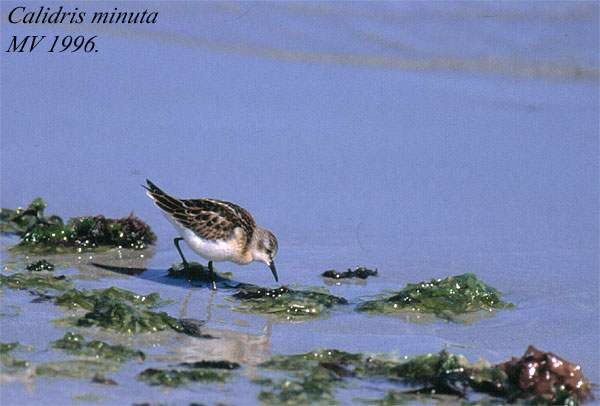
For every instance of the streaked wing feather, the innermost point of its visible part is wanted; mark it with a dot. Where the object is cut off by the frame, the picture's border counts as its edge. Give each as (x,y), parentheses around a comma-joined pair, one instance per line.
(210,219)
(216,219)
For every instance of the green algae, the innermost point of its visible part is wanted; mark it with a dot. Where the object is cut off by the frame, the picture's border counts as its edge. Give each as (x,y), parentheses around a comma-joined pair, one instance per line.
(7,360)
(75,368)
(394,397)
(220,364)
(75,344)
(112,308)
(286,303)
(40,266)
(360,273)
(11,362)
(86,299)
(316,387)
(88,233)
(19,221)
(196,272)
(314,377)
(126,318)
(189,372)
(5,348)
(35,282)
(445,298)
(51,234)
(88,398)
(310,359)
(115,315)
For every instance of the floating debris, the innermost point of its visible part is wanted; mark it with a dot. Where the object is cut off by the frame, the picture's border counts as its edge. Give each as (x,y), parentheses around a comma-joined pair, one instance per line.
(35,282)
(202,371)
(51,234)
(315,376)
(40,266)
(76,344)
(445,298)
(360,273)
(286,303)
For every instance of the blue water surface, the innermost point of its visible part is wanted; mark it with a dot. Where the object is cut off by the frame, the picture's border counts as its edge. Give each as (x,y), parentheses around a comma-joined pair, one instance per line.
(424,139)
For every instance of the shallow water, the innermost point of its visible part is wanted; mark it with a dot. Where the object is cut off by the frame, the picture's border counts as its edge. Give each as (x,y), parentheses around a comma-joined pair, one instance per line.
(422,139)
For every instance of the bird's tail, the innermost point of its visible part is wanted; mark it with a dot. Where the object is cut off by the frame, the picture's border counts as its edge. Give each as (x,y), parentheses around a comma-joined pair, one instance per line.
(161,199)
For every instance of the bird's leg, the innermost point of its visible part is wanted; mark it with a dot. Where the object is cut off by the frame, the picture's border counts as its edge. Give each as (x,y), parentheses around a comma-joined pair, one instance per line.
(186,266)
(176,241)
(212,275)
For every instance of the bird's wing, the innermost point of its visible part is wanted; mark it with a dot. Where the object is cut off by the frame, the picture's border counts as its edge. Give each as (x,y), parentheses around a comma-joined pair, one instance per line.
(210,219)
(215,219)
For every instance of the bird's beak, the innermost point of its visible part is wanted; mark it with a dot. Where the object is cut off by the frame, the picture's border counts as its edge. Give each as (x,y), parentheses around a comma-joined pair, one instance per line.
(274,270)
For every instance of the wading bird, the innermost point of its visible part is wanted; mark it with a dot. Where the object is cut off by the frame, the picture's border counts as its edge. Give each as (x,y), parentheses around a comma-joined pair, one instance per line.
(216,230)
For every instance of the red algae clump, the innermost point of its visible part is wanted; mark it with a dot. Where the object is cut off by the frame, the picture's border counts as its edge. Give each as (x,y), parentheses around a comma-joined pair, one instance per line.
(544,376)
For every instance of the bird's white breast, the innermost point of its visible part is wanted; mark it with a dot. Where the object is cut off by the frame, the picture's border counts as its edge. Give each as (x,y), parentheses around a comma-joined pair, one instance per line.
(210,250)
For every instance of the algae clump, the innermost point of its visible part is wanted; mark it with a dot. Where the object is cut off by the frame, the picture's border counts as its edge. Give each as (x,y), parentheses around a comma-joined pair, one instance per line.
(360,273)
(40,266)
(36,282)
(7,360)
(75,368)
(51,234)
(5,348)
(75,344)
(197,272)
(115,315)
(188,372)
(314,376)
(19,221)
(85,233)
(445,298)
(316,387)
(286,303)
(125,312)
(86,299)
(544,377)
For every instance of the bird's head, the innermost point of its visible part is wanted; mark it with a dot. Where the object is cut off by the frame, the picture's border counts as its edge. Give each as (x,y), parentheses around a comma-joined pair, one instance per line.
(265,249)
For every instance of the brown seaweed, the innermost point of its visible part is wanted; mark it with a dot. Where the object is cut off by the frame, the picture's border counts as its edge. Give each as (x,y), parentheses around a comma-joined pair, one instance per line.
(359,273)
(546,377)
